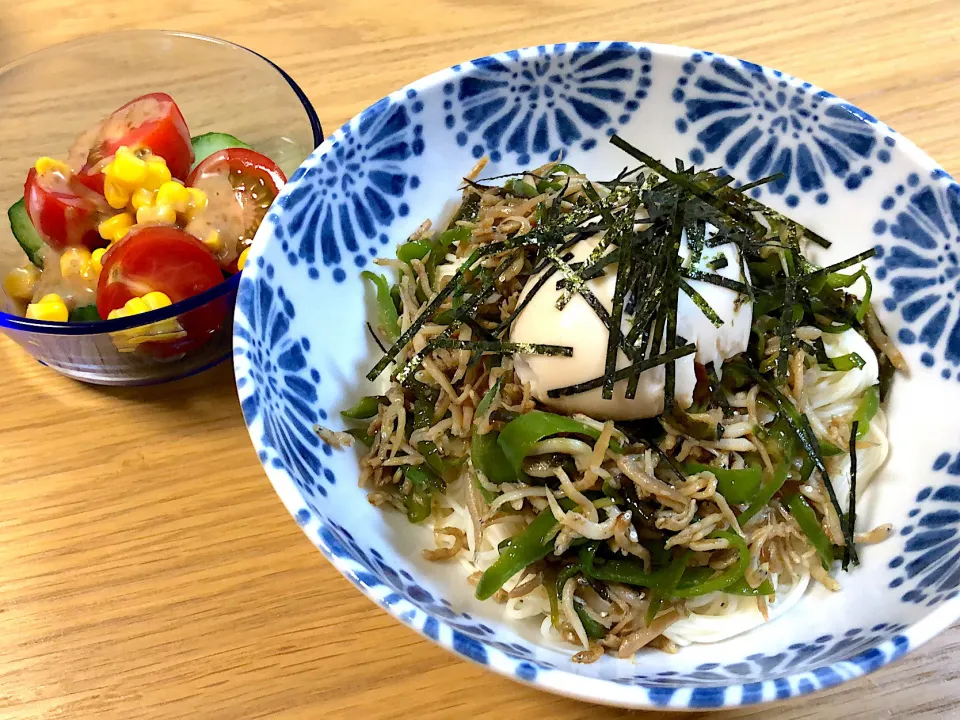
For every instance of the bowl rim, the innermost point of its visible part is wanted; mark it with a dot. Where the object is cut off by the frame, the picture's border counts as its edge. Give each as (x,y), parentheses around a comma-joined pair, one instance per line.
(225,288)
(567,683)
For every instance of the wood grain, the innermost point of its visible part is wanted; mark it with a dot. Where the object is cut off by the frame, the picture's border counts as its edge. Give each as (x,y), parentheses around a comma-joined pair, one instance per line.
(146,568)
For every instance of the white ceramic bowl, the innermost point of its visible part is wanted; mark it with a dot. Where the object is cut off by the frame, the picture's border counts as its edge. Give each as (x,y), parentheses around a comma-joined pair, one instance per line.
(301,348)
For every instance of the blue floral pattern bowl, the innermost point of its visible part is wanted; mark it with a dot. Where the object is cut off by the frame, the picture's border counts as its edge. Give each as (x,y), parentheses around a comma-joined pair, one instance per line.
(301,348)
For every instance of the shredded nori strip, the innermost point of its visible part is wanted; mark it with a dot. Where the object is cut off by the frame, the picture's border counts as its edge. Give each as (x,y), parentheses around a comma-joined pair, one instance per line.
(673,293)
(718,263)
(616,320)
(502,348)
(637,367)
(761,181)
(786,328)
(718,280)
(843,264)
(849,551)
(375,338)
(704,306)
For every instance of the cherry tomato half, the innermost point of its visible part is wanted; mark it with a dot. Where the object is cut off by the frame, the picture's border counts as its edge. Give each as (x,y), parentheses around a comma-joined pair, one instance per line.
(63,211)
(240,186)
(168,260)
(151,122)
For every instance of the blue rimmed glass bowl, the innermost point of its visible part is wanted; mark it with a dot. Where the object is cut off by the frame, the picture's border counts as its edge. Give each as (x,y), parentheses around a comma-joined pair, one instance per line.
(51,96)
(301,348)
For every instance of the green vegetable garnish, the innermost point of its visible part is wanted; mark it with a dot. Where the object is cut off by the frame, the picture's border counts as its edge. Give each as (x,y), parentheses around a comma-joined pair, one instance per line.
(388,320)
(807,520)
(533,543)
(737,486)
(520,435)
(365,408)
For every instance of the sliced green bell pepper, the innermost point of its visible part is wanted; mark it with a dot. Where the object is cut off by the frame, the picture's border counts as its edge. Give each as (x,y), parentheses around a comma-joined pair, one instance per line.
(489,459)
(520,435)
(388,320)
(807,520)
(534,543)
(737,486)
(365,408)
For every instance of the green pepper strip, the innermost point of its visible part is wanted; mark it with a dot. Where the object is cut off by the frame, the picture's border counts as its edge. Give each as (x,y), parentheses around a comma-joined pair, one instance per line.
(741,587)
(628,572)
(549,577)
(849,361)
(453,235)
(418,502)
(414,250)
(766,492)
(828,449)
(869,404)
(489,459)
(807,520)
(594,629)
(672,576)
(534,543)
(365,409)
(488,398)
(737,486)
(522,433)
(387,317)
(694,587)
(361,436)
(520,188)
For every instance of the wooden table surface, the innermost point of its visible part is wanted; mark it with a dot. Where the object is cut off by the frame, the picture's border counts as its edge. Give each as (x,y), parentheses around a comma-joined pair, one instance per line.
(147,570)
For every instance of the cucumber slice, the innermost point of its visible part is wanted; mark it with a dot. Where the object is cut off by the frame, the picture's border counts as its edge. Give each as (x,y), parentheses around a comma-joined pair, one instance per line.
(207,144)
(25,233)
(87,313)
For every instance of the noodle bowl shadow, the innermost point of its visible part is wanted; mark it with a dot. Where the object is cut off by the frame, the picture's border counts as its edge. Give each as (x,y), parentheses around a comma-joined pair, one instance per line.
(301,347)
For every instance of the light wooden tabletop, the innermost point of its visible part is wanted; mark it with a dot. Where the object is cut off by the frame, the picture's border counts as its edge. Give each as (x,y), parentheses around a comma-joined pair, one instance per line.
(147,570)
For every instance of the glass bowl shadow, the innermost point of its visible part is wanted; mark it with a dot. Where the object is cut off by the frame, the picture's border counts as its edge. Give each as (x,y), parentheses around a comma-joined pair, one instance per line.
(52,95)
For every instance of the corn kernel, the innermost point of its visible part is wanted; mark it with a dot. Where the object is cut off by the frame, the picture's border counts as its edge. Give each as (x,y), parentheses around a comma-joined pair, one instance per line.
(116,194)
(213,241)
(161,331)
(50,307)
(96,259)
(142,198)
(157,173)
(156,300)
(242,260)
(126,168)
(196,205)
(76,262)
(115,228)
(21,282)
(134,306)
(46,165)
(157,214)
(174,195)
(198,199)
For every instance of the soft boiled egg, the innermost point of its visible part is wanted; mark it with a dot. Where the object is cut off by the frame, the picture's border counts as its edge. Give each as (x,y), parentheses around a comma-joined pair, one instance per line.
(579,327)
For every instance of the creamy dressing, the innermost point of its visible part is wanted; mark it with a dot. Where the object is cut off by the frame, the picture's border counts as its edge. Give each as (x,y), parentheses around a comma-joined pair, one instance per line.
(75,291)
(224,214)
(235,209)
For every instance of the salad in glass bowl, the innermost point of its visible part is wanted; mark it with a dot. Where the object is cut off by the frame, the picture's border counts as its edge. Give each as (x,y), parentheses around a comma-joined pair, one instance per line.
(138,216)
(136,167)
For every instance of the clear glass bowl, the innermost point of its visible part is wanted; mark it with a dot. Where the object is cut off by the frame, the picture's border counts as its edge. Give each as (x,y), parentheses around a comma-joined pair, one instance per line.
(51,96)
